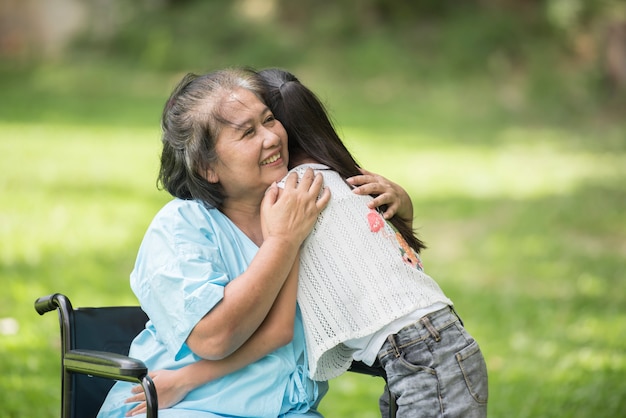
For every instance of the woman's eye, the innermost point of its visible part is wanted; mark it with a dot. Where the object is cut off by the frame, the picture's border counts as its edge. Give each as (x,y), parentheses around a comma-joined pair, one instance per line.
(248,132)
(270,118)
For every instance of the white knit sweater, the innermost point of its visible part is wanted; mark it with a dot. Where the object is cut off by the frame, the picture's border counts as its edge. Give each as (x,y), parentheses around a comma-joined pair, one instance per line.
(356,276)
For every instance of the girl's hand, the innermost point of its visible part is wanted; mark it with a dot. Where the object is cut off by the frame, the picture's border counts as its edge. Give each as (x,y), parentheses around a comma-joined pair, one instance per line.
(170,391)
(387,193)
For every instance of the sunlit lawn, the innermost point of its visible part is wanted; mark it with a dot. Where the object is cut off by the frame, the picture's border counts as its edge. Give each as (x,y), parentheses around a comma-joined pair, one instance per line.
(526,233)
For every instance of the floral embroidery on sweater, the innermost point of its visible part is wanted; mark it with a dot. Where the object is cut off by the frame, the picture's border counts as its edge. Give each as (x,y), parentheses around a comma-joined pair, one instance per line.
(375,220)
(377,224)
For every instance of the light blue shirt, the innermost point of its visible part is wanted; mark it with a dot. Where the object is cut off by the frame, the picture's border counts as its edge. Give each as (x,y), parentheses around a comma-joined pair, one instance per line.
(187,257)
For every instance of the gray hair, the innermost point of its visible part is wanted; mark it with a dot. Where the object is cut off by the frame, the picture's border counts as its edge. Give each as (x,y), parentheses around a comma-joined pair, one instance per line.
(190,123)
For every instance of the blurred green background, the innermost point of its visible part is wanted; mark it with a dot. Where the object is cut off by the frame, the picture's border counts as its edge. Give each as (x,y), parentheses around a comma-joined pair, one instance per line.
(503,119)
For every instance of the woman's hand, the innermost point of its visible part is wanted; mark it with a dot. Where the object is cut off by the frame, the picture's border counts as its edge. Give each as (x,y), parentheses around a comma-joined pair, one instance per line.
(290,213)
(170,390)
(387,193)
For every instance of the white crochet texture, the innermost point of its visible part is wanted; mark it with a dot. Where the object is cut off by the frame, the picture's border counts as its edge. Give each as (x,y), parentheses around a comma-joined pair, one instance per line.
(353,281)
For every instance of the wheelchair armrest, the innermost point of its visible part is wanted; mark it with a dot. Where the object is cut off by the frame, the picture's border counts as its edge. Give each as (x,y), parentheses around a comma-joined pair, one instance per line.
(105,364)
(114,366)
(362,368)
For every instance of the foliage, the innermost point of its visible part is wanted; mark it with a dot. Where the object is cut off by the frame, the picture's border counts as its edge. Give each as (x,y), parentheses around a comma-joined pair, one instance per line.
(514,41)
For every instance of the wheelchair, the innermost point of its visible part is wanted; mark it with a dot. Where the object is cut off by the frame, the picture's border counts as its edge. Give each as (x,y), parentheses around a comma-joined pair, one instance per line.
(94,354)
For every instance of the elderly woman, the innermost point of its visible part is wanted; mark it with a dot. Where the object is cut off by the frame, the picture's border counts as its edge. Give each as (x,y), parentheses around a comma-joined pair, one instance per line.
(217,262)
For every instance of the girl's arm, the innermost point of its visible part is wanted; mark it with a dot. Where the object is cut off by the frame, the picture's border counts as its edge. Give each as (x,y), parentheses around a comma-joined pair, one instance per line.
(275,331)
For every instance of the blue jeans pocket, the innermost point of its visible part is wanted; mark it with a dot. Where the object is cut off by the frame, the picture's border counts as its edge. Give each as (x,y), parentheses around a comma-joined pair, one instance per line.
(474,369)
(415,386)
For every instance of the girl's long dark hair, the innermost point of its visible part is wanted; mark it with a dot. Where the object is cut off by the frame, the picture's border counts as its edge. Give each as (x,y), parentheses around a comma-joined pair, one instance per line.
(311,133)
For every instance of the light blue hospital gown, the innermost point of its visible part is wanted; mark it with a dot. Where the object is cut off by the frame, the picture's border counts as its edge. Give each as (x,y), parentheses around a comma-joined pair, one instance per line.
(188,255)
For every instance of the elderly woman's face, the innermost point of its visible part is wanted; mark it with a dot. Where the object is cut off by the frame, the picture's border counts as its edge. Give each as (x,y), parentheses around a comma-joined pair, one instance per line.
(252,149)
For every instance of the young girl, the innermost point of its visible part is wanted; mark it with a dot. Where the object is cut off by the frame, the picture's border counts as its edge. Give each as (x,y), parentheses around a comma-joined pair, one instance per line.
(362,291)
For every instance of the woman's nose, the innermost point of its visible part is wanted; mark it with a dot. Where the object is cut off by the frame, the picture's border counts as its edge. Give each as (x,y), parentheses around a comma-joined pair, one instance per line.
(271,138)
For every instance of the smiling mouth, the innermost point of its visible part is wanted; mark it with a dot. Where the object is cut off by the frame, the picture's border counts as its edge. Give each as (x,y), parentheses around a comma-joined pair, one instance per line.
(271,159)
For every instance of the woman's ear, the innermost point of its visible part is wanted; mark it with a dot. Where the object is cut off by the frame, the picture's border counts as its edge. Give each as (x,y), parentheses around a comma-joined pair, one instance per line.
(211,176)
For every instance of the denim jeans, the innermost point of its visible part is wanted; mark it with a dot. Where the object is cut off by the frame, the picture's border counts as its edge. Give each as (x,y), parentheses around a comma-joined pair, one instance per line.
(434,369)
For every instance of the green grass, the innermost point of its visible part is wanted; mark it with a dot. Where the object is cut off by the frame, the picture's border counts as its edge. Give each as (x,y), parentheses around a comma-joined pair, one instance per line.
(524,216)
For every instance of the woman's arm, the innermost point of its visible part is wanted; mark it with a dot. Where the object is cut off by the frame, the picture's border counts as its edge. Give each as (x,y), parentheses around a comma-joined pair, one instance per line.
(275,331)
(286,220)
(387,193)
